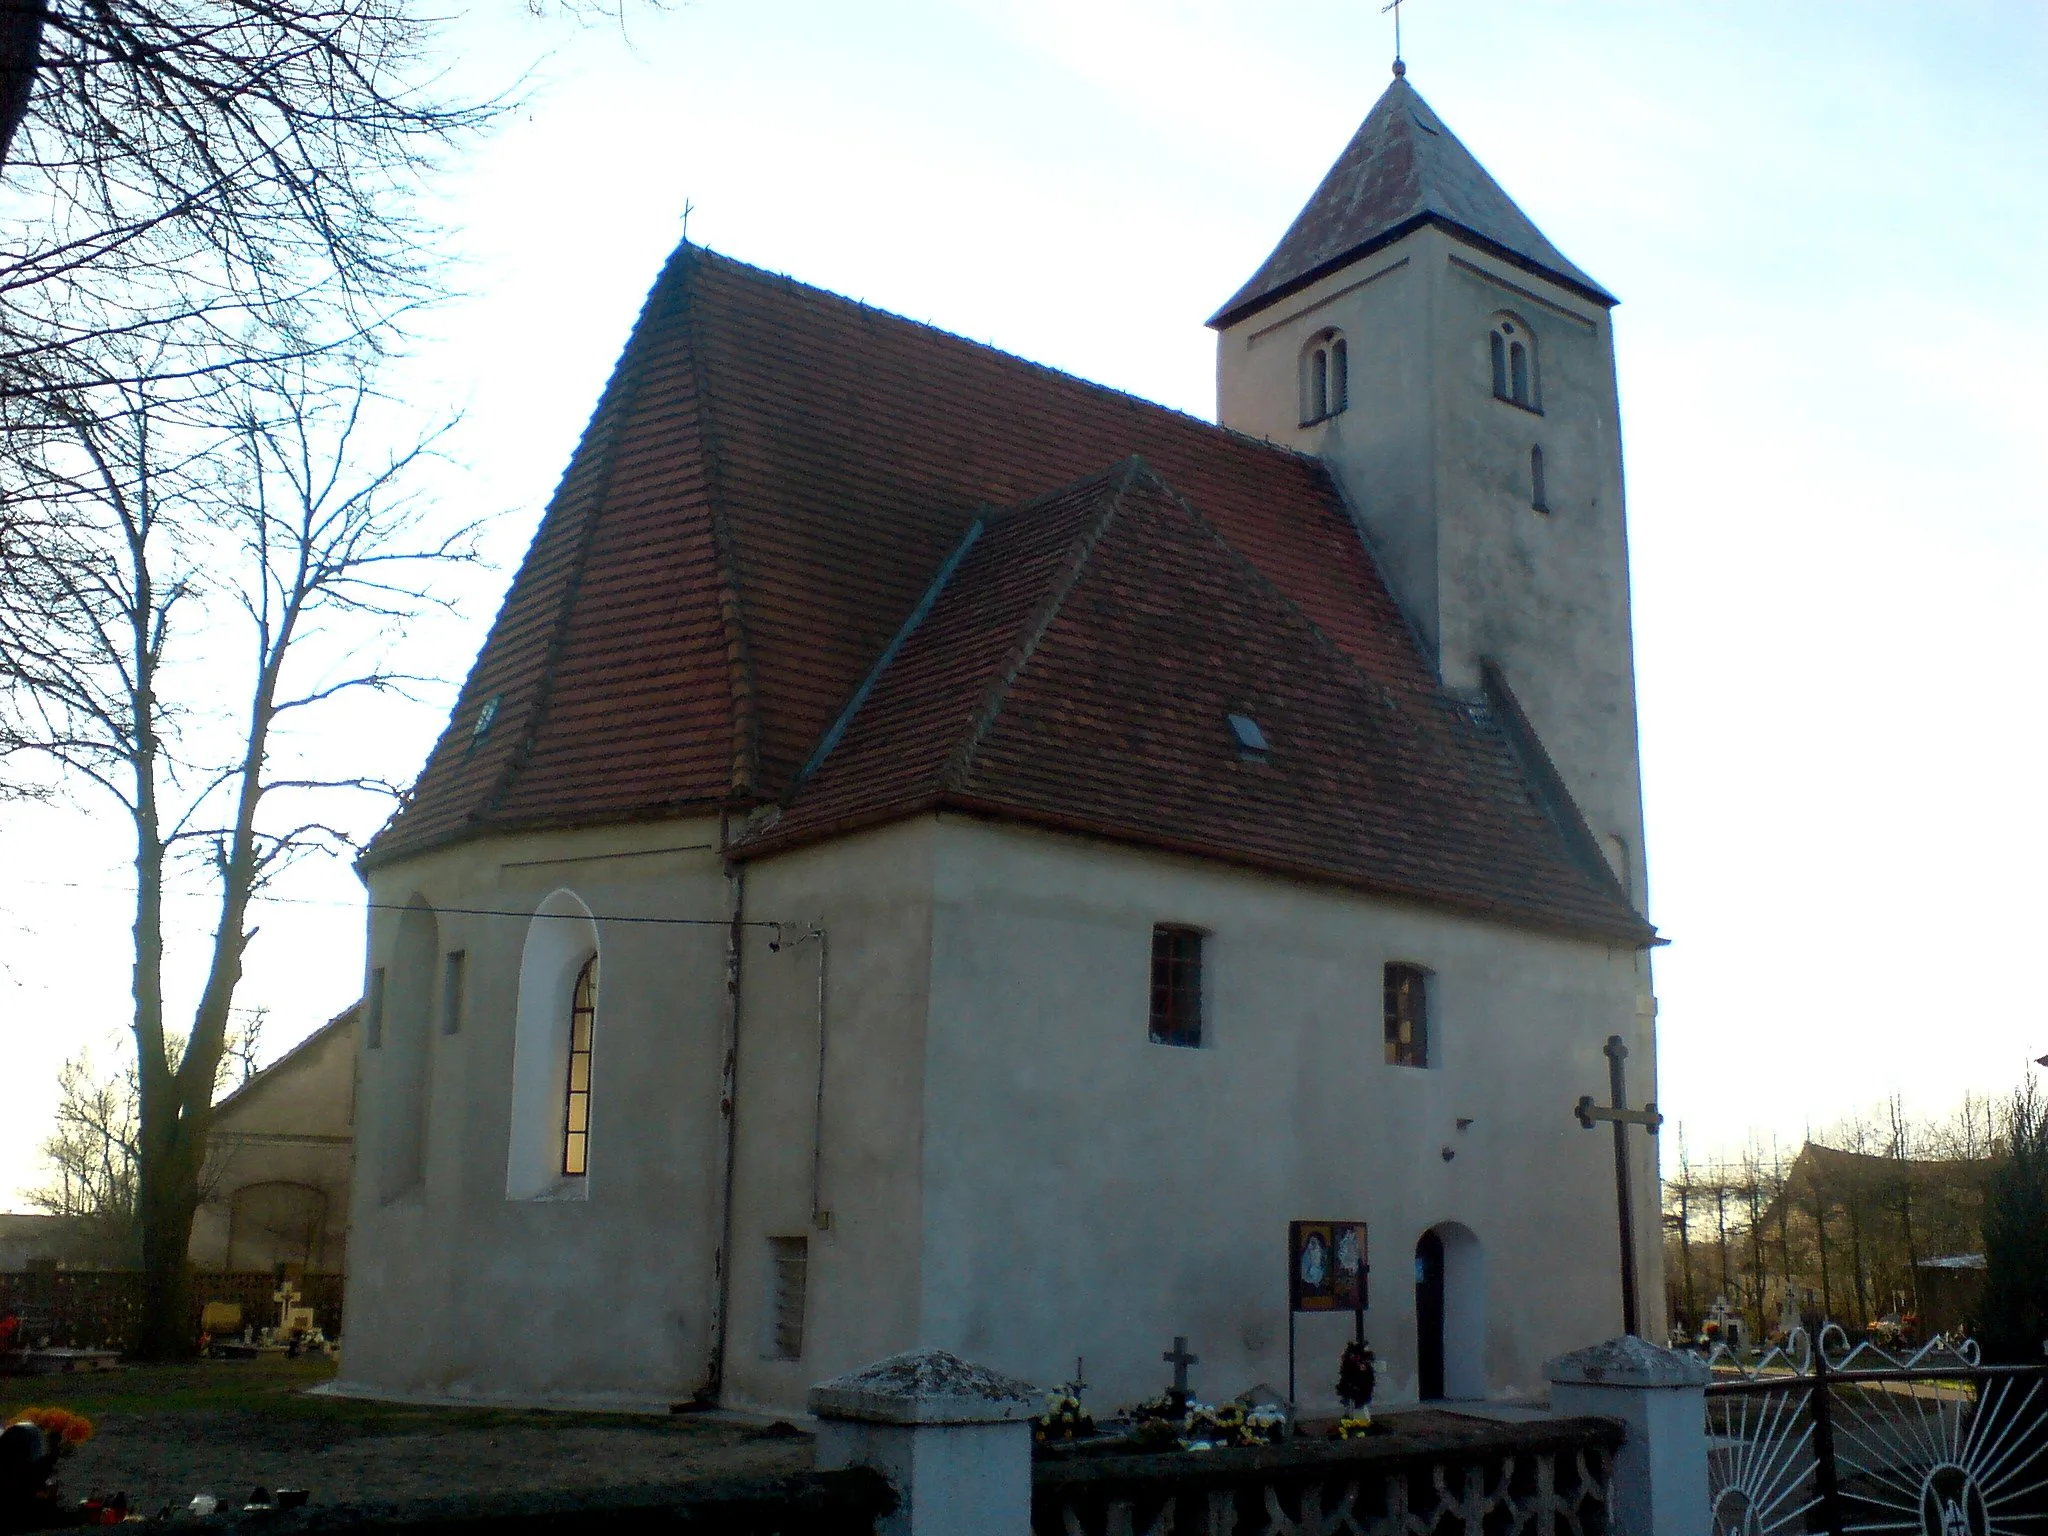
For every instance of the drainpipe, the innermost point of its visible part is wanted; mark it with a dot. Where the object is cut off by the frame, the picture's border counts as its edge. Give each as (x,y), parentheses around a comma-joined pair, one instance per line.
(707,1395)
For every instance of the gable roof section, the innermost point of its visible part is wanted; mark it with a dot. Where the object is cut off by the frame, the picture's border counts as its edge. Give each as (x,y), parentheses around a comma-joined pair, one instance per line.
(769,481)
(1076,669)
(1402,169)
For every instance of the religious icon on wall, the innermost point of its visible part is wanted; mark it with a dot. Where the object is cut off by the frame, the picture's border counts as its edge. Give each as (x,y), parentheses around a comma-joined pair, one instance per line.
(1326,1261)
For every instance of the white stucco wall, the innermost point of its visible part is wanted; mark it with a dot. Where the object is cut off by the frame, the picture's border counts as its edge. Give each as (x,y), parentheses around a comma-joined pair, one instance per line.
(1008,1169)
(456,1288)
(1089,1193)
(871,894)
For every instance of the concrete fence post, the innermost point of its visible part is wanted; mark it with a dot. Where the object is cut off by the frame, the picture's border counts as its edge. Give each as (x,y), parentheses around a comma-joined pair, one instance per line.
(954,1440)
(1660,1474)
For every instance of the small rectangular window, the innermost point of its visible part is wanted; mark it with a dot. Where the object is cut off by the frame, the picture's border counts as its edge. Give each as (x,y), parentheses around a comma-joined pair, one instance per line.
(1539,492)
(1176,985)
(789,1263)
(1407,1015)
(452,967)
(373,1011)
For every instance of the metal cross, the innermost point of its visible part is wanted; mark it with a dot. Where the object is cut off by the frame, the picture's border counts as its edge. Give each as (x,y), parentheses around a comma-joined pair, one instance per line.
(1179,1358)
(1621,1117)
(1395,7)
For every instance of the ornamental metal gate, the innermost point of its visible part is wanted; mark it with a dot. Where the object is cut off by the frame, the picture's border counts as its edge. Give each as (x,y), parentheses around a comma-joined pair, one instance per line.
(1852,1440)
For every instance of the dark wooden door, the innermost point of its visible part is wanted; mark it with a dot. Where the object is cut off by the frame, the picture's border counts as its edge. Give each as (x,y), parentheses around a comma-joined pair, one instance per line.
(1429,1314)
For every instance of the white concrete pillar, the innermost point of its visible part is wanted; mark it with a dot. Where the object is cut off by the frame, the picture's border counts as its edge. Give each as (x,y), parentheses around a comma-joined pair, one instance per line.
(1660,1474)
(954,1440)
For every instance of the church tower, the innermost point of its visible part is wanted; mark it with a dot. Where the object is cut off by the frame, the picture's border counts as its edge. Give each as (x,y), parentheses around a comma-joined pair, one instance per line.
(1418,333)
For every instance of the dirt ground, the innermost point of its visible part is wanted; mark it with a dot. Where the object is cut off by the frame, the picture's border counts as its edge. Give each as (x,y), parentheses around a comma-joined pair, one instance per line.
(165,1433)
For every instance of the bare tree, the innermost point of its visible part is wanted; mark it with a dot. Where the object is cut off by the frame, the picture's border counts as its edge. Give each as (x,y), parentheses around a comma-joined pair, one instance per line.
(225,179)
(94,1153)
(243,521)
(91,1155)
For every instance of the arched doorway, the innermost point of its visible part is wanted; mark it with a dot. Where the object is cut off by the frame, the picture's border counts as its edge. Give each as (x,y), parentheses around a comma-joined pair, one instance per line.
(1450,1313)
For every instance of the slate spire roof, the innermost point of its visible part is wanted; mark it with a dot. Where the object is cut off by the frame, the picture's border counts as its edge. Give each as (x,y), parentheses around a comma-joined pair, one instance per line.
(1402,169)
(831,567)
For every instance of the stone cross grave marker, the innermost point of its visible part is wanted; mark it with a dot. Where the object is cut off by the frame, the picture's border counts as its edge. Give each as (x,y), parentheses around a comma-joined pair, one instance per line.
(287,1297)
(1179,1358)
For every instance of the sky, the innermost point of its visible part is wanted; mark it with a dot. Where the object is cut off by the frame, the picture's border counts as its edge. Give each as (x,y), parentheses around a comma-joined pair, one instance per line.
(1827,223)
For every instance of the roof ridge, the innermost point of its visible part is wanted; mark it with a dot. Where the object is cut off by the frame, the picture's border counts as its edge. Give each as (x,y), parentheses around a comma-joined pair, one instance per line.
(704,252)
(621,395)
(746,716)
(859,696)
(1117,480)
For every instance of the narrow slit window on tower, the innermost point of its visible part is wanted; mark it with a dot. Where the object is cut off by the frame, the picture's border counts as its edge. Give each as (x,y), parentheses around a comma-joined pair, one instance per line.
(454,965)
(789,1263)
(1539,494)
(373,1012)
(1511,349)
(1319,385)
(576,1113)
(1176,985)
(1407,1014)
(1340,375)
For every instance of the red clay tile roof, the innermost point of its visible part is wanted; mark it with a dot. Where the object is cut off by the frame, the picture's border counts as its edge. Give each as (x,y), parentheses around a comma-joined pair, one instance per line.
(1077,667)
(771,481)
(1403,168)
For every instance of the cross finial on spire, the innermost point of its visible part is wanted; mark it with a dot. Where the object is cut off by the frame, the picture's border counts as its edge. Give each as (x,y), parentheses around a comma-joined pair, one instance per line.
(1400,69)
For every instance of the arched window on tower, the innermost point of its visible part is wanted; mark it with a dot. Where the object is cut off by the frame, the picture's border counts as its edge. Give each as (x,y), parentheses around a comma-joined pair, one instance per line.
(1511,346)
(1325,376)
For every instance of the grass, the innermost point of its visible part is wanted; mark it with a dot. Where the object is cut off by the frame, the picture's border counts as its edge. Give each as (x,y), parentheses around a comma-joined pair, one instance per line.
(271,1388)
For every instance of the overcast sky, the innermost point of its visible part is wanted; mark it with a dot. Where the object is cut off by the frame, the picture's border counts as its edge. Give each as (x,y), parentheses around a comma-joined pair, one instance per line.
(1828,224)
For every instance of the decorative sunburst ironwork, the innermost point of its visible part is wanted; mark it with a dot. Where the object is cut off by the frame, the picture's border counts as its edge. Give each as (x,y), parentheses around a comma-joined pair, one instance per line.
(1853,1440)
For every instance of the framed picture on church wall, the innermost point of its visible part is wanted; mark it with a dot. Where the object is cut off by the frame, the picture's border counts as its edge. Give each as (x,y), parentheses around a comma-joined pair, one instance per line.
(1326,1266)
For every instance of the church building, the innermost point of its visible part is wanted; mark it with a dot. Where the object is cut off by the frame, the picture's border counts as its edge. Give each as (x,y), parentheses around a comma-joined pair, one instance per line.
(935,851)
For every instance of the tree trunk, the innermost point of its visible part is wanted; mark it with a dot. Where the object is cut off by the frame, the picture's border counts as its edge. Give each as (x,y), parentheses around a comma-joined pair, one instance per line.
(1856,1256)
(21,51)
(1820,1242)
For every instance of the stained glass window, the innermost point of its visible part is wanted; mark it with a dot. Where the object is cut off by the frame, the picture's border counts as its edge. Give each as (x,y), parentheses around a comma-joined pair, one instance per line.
(576,1121)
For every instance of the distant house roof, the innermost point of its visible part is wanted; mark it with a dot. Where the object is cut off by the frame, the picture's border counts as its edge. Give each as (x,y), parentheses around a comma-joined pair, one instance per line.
(342,1020)
(1958,1261)
(1402,169)
(718,607)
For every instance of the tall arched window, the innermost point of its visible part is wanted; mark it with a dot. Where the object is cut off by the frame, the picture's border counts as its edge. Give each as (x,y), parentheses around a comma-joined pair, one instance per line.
(1325,376)
(1511,346)
(555,1029)
(576,1113)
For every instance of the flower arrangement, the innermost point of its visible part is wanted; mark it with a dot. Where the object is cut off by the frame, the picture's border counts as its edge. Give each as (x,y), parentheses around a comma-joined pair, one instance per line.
(1064,1418)
(62,1428)
(1161,1423)
(1353,1426)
